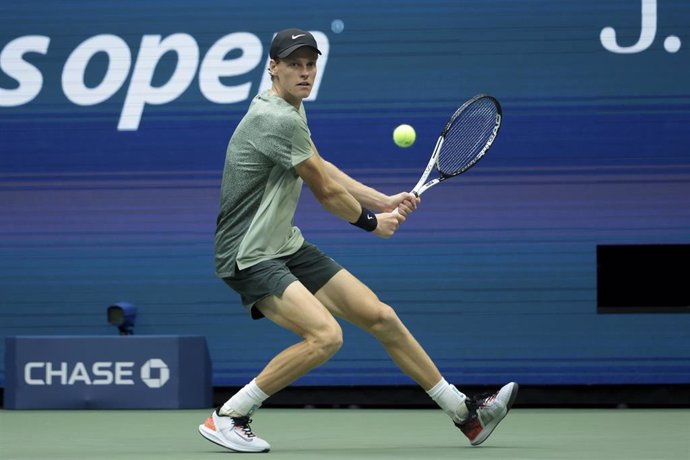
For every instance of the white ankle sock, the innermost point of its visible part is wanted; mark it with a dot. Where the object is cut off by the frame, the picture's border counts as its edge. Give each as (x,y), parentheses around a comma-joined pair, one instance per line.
(450,399)
(245,401)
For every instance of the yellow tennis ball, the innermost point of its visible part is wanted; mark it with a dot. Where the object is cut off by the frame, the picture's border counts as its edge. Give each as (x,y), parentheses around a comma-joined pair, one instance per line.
(404,136)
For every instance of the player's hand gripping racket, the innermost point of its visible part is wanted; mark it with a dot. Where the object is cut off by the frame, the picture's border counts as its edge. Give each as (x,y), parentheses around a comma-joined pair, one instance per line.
(465,139)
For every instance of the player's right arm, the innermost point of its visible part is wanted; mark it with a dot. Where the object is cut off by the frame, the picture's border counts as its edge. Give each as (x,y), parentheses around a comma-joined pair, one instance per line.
(337,200)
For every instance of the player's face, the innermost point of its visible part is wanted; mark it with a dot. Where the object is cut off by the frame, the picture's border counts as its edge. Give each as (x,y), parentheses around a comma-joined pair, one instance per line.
(294,76)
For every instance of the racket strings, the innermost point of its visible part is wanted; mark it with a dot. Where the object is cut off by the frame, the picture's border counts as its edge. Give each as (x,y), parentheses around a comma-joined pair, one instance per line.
(468,135)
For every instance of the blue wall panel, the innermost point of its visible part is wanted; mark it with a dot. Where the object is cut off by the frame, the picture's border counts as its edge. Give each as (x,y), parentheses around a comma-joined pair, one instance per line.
(496,274)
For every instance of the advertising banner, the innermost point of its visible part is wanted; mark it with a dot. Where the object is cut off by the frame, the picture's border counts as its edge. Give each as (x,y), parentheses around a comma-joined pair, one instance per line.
(93,372)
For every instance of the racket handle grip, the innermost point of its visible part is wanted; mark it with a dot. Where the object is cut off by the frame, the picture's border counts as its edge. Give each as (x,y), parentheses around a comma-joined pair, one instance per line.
(396,211)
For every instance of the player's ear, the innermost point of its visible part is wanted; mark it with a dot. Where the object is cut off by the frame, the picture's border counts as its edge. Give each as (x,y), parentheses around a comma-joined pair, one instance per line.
(272,64)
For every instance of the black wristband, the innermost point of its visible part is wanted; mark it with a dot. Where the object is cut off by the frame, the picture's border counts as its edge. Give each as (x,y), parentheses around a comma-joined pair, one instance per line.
(367,220)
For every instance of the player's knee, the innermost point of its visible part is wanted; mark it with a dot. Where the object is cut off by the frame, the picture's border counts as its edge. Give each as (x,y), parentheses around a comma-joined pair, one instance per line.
(327,341)
(385,322)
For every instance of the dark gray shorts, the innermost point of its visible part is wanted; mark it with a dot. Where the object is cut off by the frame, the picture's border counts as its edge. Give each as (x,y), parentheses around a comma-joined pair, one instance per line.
(308,265)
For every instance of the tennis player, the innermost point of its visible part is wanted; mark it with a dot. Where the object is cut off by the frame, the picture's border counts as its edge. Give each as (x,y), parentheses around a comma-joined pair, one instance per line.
(280,276)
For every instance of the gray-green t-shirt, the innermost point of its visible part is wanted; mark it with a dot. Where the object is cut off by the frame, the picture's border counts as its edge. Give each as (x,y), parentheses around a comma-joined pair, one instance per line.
(260,187)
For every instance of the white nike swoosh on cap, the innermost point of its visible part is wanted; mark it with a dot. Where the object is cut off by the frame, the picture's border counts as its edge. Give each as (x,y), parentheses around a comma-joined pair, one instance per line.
(295,37)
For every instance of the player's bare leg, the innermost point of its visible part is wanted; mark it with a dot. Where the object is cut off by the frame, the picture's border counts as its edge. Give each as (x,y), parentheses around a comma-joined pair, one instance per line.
(300,312)
(350,299)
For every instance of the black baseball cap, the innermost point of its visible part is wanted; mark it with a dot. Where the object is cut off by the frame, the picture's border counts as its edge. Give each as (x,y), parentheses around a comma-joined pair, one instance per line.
(287,41)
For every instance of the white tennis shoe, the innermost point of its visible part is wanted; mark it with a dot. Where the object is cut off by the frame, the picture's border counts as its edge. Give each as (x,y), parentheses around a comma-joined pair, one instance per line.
(233,433)
(486,413)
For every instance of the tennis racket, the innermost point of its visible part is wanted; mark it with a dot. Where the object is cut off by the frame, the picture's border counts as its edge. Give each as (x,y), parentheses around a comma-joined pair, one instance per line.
(465,139)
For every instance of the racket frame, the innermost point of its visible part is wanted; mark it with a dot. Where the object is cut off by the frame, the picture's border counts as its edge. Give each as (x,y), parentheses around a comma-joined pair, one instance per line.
(422,185)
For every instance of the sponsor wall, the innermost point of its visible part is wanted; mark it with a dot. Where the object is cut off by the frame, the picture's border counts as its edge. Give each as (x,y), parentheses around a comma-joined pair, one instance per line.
(95,372)
(114,118)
